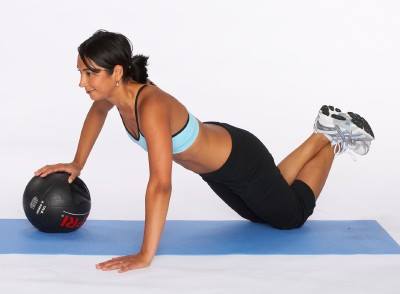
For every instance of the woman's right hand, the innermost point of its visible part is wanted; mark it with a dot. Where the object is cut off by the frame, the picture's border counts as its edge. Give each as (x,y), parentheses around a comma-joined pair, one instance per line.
(72,168)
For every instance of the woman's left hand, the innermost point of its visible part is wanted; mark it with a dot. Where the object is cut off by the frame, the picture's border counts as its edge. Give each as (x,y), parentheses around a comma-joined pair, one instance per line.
(125,263)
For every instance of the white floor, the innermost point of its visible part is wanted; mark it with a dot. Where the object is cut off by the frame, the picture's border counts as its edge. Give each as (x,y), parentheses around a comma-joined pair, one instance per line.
(206,274)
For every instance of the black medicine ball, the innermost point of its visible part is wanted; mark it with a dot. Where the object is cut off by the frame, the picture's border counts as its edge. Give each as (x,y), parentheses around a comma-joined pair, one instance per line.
(53,205)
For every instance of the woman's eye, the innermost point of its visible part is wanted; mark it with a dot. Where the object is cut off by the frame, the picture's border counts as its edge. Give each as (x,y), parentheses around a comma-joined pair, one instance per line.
(89,73)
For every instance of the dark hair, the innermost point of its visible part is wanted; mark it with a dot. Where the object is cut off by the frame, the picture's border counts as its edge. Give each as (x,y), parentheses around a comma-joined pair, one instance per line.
(108,49)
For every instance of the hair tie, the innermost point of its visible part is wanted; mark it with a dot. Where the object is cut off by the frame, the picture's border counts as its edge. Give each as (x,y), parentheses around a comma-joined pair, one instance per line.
(131,60)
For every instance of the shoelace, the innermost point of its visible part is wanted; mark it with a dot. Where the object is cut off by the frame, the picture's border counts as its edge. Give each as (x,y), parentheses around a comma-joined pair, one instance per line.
(344,139)
(342,145)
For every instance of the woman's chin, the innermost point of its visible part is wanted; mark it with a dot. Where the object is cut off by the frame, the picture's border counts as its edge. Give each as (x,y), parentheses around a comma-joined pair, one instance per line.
(92,95)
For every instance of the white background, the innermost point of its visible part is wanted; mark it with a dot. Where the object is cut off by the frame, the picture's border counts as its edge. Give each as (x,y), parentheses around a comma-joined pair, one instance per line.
(265,66)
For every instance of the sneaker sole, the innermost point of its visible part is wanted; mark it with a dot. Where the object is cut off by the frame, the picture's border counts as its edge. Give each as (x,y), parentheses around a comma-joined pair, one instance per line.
(331,116)
(361,122)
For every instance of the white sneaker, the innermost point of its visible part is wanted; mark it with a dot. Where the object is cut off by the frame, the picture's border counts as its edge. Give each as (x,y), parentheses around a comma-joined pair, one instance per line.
(360,147)
(330,116)
(361,123)
(347,131)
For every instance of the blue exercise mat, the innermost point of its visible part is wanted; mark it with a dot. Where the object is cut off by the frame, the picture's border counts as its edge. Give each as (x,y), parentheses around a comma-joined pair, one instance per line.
(110,237)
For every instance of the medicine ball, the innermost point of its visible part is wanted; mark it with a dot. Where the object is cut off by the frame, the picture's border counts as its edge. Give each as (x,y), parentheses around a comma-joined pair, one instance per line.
(53,205)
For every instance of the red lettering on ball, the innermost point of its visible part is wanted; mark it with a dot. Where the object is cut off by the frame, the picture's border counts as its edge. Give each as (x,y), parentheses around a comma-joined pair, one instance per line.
(71,222)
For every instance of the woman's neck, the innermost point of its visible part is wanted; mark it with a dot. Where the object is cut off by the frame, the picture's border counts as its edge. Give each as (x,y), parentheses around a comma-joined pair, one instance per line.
(123,96)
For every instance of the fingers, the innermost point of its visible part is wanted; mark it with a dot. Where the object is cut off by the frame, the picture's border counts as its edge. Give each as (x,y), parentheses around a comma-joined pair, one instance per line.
(49,169)
(123,264)
(71,178)
(73,175)
(40,170)
(110,265)
(113,263)
(71,169)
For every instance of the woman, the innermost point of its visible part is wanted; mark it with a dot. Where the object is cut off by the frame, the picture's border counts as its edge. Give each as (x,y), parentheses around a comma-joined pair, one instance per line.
(233,162)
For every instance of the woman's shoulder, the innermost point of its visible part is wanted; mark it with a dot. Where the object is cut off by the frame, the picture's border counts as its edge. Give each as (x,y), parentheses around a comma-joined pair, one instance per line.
(152,96)
(152,92)
(156,98)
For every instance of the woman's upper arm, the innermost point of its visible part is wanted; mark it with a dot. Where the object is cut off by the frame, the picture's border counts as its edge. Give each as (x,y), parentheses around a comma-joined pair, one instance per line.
(155,126)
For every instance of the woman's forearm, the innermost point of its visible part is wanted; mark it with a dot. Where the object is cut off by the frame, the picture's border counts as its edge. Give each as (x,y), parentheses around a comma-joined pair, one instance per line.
(157,202)
(90,131)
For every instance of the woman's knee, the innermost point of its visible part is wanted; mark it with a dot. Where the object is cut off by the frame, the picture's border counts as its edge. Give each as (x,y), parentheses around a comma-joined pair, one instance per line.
(254,219)
(288,225)
(281,225)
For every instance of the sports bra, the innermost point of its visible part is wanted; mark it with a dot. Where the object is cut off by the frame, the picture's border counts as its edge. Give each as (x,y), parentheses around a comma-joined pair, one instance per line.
(181,140)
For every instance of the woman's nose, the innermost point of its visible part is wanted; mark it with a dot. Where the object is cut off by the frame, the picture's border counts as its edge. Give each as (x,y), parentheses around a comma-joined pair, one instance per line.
(82,83)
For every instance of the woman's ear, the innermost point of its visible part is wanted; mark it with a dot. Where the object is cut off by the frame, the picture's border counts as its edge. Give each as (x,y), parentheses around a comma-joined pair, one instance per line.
(118,72)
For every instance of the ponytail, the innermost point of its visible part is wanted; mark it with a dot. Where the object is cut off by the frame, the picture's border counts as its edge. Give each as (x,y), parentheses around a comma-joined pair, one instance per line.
(137,69)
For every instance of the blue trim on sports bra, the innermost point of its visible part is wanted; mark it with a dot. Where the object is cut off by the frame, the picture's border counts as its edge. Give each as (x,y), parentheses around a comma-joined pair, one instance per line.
(181,140)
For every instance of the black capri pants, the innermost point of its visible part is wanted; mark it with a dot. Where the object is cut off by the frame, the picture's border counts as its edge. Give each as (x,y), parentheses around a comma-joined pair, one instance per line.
(252,185)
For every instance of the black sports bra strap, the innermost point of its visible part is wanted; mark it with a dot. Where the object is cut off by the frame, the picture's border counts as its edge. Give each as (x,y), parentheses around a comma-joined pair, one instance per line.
(136,99)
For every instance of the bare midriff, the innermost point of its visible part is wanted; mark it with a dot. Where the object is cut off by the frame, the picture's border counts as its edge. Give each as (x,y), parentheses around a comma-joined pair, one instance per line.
(209,151)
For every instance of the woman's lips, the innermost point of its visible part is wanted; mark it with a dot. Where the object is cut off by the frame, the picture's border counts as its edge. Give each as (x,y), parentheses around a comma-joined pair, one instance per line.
(89,91)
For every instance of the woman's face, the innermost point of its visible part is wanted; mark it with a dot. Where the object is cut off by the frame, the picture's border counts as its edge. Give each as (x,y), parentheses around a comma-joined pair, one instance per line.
(98,85)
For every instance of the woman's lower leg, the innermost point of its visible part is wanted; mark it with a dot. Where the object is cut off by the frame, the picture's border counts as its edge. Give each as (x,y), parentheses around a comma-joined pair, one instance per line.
(316,171)
(291,166)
